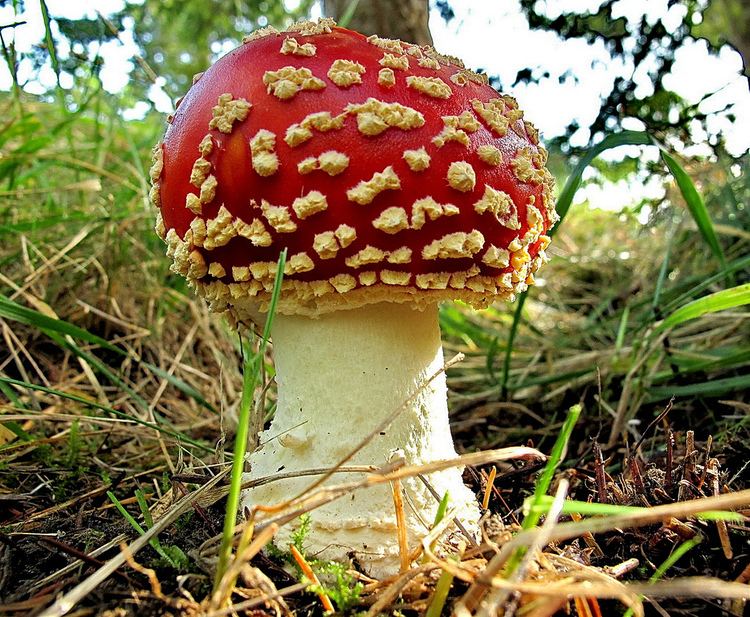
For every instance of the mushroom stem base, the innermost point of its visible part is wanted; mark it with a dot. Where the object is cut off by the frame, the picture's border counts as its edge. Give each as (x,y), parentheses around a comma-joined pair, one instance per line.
(339,376)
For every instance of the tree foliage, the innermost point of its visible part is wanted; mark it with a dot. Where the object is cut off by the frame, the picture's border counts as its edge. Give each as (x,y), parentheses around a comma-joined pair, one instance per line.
(184,38)
(647,46)
(178,38)
(727,21)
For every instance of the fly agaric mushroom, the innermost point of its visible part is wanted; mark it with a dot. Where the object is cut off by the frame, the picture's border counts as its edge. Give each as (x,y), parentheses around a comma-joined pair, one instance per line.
(396,179)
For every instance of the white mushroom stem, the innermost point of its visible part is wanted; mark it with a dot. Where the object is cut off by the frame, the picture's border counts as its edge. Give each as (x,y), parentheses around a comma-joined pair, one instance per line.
(339,376)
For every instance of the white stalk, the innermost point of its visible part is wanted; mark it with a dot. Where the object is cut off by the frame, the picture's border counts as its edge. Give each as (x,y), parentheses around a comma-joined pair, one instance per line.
(338,377)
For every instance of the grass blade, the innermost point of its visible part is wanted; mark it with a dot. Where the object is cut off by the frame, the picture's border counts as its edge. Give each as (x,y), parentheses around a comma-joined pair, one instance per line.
(492,352)
(153,542)
(543,483)
(11,425)
(663,271)
(622,328)
(712,303)
(555,458)
(16,312)
(712,388)
(16,429)
(442,588)
(348,14)
(695,204)
(725,358)
(587,508)
(659,573)
(250,375)
(179,437)
(49,42)
(623,138)
(145,512)
(509,348)
(441,510)
(733,266)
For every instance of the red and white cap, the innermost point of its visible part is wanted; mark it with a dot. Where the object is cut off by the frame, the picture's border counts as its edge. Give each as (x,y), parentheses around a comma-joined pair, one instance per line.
(388,171)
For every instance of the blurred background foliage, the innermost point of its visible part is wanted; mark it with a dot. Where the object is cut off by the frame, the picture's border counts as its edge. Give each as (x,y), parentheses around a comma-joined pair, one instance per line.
(651,47)
(183,38)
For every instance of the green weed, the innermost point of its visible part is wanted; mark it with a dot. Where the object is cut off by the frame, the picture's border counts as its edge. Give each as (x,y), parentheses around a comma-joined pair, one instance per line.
(171,555)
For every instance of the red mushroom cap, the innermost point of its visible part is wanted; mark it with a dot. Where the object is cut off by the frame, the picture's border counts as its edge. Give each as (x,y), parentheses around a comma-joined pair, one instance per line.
(388,171)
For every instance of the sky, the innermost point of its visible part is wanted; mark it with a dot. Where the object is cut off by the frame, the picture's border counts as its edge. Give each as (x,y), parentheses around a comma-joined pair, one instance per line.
(488,34)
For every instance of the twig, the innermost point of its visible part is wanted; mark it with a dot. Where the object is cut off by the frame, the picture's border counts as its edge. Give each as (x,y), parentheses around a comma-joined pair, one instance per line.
(687,465)
(721,526)
(706,459)
(488,488)
(652,424)
(670,460)
(601,478)
(248,604)
(71,550)
(621,569)
(312,577)
(403,545)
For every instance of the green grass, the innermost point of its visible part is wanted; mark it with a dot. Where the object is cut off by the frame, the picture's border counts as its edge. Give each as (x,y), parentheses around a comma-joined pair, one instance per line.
(688,306)
(540,505)
(712,303)
(543,483)
(678,553)
(252,367)
(172,555)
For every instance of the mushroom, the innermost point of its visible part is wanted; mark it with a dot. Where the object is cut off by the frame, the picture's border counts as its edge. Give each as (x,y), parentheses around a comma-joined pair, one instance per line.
(396,179)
